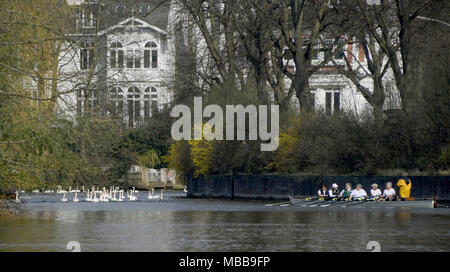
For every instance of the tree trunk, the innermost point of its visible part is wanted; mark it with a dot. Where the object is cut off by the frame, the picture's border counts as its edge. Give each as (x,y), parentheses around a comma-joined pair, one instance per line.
(302,91)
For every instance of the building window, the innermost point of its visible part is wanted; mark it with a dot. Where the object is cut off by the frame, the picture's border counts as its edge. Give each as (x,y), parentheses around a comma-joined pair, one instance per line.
(116,103)
(147,101)
(328,98)
(120,9)
(332,102)
(154,58)
(133,57)
(315,53)
(145,8)
(134,107)
(116,55)
(130,59)
(340,55)
(87,102)
(337,102)
(87,15)
(154,97)
(150,102)
(86,55)
(151,55)
(91,102)
(137,59)
(79,103)
(313,98)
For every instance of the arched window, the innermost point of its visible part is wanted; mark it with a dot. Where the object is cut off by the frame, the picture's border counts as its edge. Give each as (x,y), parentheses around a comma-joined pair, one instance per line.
(87,102)
(150,102)
(154,98)
(116,102)
(151,55)
(116,55)
(147,101)
(134,107)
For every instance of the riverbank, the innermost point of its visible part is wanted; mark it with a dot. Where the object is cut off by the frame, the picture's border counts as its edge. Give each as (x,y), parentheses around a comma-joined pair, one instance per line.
(8,206)
(281,186)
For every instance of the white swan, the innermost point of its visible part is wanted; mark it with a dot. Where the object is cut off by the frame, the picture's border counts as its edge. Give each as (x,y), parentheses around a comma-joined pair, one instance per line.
(113,197)
(121,197)
(60,190)
(48,191)
(185,189)
(17,197)
(35,191)
(74,191)
(64,199)
(75,199)
(88,196)
(103,197)
(160,196)
(150,193)
(131,197)
(95,199)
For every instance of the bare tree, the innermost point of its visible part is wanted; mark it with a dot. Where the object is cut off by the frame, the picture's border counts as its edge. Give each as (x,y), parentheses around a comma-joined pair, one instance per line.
(391,25)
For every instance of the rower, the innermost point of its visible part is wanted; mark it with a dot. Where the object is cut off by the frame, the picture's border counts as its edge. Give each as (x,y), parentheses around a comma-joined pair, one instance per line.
(345,194)
(404,185)
(389,193)
(358,194)
(375,193)
(323,193)
(334,191)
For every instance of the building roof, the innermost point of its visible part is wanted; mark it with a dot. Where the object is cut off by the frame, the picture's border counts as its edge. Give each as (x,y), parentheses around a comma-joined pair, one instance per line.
(114,12)
(155,14)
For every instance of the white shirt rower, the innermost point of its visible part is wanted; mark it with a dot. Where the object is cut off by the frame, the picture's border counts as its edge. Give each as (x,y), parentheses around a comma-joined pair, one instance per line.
(375,193)
(358,193)
(389,192)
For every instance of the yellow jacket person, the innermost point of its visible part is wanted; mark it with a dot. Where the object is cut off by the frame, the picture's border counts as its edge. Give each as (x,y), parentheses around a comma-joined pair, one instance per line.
(404,185)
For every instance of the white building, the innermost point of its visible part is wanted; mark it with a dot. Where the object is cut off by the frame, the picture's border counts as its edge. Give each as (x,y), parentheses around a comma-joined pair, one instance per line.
(119,61)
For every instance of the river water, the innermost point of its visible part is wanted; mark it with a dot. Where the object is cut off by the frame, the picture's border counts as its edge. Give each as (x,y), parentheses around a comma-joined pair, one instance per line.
(180,224)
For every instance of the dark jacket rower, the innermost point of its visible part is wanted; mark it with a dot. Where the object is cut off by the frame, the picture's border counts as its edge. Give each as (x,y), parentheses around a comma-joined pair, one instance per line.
(323,193)
(334,191)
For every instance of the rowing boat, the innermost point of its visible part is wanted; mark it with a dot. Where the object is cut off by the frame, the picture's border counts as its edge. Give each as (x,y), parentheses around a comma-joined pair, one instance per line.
(390,204)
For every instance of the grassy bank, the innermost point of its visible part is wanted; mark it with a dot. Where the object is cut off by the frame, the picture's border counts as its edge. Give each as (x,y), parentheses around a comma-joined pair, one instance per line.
(8,206)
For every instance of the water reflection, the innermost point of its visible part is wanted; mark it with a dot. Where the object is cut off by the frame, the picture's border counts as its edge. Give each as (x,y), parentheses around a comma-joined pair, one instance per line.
(192,228)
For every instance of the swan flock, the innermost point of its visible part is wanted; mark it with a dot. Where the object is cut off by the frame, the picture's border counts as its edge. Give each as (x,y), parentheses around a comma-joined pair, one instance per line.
(95,195)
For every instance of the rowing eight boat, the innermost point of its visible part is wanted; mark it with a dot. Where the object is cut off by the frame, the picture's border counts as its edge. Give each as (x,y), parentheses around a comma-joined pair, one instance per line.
(327,203)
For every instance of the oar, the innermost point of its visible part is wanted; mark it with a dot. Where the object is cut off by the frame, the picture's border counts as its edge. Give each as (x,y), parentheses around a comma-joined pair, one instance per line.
(323,201)
(308,199)
(319,200)
(288,203)
(355,202)
(335,202)
(281,203)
